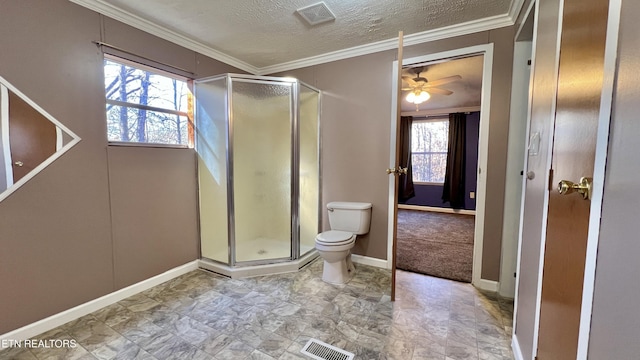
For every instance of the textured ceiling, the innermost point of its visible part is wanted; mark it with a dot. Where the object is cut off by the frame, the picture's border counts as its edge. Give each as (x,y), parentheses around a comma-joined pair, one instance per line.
(265,33)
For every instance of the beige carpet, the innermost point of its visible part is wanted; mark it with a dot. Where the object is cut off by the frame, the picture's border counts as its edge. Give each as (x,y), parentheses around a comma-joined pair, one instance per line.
(436,244)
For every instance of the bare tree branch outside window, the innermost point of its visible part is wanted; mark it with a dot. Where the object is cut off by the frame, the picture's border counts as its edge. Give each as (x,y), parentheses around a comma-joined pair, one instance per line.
(429,142)
(144,106)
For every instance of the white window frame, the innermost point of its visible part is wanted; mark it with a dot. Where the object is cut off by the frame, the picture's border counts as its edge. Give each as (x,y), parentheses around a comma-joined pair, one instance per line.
(434,119)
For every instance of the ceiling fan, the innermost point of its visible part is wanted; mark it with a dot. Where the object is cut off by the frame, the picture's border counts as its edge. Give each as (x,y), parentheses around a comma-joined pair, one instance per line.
(421,88)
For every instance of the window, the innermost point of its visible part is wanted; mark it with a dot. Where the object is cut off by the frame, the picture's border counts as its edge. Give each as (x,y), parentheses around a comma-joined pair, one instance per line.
(146,106)
(429,142)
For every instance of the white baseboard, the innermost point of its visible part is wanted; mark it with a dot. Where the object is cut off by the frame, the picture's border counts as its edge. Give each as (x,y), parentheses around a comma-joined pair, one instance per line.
(370,261)
(488,285)
(436,209)
(53,321)
(515,346)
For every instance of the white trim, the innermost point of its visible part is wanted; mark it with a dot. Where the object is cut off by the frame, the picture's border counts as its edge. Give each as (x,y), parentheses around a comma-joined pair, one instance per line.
(545,206)
(483,150)
(61,318)
(365,260)
(602,143)
(515,346)
(488,285)
(4,132)
(436,209)
(470,27)
(526,158)
(524,18)
(116,13)
(59,139)
(74,140)
(519,118)
(483,144)
(514,10)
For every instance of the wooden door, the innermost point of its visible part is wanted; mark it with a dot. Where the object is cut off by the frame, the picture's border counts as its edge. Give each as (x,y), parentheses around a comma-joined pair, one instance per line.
(32,137)
(395,171)
(580,80)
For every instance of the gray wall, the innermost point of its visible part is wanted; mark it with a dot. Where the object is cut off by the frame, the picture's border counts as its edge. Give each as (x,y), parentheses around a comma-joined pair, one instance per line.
(356,113)
(58,248)
(615,316)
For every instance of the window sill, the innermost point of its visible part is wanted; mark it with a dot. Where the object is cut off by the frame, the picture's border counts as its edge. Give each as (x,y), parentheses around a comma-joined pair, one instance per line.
(147,145)
(428,183)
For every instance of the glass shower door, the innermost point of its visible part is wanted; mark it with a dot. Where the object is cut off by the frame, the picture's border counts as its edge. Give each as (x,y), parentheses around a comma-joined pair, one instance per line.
(261,169)
(211,147)
(309,177)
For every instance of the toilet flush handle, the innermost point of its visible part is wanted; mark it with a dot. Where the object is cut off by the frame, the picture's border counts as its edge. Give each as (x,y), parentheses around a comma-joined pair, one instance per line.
(330,209)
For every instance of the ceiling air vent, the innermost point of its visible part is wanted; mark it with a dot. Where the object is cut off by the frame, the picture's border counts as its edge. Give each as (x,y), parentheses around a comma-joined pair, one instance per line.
(316,14)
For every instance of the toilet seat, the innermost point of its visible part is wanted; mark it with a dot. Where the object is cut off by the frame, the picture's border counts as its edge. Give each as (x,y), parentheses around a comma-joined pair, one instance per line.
(335,238)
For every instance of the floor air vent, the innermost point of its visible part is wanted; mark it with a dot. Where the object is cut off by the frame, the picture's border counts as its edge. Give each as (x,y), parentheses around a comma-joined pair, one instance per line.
(318,350)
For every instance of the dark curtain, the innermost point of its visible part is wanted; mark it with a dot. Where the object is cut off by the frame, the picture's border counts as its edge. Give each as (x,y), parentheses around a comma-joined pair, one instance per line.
(405,181)
(454,191)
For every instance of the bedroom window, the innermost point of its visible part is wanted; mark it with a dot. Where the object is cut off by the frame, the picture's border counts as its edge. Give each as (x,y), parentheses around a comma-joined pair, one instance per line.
(429,142)
(146,105)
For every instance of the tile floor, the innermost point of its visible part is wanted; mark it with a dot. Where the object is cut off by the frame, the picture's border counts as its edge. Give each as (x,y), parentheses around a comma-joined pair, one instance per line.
(204,316)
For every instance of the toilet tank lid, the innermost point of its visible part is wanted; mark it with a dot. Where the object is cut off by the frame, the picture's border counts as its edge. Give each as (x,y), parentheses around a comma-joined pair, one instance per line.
(349,205)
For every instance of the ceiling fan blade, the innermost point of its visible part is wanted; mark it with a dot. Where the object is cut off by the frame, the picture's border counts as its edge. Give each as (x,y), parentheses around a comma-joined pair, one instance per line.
(445,80)
(406,89)
(439,91)
(409,80)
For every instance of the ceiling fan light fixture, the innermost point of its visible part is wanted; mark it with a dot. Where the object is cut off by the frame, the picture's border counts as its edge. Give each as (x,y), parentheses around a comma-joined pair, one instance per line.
(418,97)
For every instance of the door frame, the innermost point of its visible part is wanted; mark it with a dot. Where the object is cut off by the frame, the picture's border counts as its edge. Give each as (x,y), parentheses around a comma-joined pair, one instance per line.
(483,144)
(532,11)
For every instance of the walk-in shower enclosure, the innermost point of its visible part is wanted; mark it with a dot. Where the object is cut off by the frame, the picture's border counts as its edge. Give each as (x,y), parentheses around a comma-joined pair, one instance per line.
(257,140)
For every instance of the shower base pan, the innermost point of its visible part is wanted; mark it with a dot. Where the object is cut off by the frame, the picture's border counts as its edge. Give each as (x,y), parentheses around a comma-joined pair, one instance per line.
(258,270)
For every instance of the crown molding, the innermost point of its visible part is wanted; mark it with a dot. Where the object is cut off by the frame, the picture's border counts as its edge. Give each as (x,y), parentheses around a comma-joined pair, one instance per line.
(469,27)
(128,18)
(516,7)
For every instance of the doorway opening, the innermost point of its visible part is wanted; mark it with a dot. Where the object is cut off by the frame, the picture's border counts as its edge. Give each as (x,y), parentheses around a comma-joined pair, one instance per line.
(436,201)
(485,54)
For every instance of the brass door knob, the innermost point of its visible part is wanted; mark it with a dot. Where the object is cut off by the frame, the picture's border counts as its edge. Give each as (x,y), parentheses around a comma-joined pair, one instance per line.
(397,171)
(566,187)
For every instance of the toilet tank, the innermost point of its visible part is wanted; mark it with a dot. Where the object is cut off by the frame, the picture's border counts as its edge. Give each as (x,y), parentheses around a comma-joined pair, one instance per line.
(354,217)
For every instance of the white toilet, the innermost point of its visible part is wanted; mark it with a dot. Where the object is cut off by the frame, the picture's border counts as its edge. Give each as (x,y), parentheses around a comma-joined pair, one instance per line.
(347,219)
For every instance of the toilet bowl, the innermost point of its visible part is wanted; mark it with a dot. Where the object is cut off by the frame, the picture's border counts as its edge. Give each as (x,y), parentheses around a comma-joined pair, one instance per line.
(347,220)
(334,248)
